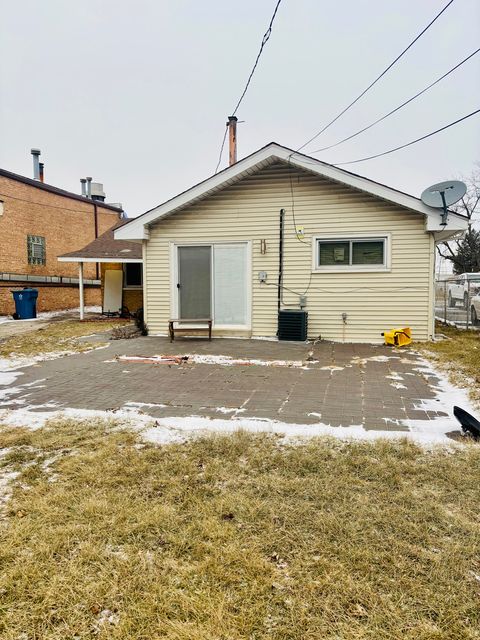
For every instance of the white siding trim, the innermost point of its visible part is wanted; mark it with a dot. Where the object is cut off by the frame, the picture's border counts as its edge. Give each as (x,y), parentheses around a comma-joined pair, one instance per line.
(112,260)
(144,282)
(138,229)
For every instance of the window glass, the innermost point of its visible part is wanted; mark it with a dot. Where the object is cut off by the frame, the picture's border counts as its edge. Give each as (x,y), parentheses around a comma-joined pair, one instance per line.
(230,282)
(368,252)
(133,274)
(36,250)
(333,253)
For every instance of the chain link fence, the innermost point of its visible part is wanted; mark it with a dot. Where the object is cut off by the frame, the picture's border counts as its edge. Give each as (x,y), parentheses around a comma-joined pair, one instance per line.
(457,300)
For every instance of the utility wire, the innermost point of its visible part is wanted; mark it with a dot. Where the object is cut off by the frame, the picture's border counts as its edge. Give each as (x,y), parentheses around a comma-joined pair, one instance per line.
(265,39)
(387,115)
(408,144)
(378,77)
(221,149)
(52,206)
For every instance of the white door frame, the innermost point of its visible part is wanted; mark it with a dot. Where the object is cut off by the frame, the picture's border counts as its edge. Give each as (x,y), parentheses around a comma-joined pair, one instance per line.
(174,292)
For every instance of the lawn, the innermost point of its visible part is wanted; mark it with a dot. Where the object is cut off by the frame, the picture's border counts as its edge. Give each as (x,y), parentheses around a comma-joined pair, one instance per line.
(56,336)
(228,538)
(459,356)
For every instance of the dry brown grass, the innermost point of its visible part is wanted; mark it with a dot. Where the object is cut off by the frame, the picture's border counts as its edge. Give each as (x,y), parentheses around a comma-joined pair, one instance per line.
(227,538)
(459,356)
(57,336)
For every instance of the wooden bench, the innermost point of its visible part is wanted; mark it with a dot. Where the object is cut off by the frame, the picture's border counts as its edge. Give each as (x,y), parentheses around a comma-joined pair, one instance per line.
(194,324)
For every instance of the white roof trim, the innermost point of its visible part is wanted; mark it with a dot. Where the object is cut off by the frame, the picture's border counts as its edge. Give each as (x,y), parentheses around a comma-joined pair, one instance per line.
(137,229)
(77,259)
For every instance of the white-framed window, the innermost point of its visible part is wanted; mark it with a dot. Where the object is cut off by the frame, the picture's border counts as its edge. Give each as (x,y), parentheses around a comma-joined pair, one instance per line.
(132,275)
(354,253)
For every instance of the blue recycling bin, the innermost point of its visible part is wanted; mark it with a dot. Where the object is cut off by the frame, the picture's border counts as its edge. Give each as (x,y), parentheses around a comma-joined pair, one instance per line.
(25,303)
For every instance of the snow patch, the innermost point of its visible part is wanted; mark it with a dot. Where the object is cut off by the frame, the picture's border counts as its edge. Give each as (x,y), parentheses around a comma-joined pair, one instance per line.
(47,315)
(397,385)
(226,361)
(141,405)
(19,362)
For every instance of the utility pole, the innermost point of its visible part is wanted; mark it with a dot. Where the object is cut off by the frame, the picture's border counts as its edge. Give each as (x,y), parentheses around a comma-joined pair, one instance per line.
(232,139)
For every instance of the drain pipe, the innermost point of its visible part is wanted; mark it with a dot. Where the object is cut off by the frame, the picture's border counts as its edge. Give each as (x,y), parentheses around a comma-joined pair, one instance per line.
(280,258)
(95,215)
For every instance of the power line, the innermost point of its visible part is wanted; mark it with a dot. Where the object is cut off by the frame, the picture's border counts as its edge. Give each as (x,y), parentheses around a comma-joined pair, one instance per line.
(408,144)
(51,206)
(221,148)
(378,77)
(265,39)
(417,95)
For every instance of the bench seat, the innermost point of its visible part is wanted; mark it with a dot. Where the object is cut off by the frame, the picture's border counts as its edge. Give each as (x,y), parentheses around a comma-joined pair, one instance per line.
(186,325)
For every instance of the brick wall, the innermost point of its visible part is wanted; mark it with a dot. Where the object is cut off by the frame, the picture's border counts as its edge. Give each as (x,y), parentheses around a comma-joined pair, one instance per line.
(67,225)
(50,298)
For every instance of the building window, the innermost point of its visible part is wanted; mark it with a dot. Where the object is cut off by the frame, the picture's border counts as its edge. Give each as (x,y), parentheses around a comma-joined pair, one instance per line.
(132,275)
(36,250)
(351,254)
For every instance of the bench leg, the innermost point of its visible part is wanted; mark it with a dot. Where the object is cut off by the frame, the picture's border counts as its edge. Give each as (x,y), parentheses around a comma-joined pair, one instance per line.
(210,331)
(171,332)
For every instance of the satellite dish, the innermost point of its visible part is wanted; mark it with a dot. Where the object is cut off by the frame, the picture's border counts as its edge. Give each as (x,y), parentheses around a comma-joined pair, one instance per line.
(444,194)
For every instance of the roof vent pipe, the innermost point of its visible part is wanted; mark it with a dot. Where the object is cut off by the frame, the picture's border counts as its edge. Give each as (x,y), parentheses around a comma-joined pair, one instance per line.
(89,187)
(42,172)
(36,163)
(97,191)
(83,184)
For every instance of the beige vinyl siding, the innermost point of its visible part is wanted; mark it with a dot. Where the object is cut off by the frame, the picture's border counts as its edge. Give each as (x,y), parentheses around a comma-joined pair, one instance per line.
(249,211)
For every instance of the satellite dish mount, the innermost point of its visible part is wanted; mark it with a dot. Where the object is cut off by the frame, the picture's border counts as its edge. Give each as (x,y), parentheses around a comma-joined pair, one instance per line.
(444,194)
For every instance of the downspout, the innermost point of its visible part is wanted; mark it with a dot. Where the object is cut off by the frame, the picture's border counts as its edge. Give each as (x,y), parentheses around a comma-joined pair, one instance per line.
(95,215)
(280,259)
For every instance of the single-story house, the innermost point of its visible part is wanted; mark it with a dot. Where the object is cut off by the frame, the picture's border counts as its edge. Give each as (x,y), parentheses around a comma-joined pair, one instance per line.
(121,271)
(280,230)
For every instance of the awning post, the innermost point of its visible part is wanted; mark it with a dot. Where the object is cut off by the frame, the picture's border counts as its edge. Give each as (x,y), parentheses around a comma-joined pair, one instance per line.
(80,288)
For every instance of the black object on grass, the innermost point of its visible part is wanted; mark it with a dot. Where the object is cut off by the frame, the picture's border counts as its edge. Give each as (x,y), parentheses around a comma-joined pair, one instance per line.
(469,424)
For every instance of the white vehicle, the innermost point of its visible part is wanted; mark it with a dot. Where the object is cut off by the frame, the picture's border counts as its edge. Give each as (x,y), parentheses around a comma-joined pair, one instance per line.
(475,310)
(465,286)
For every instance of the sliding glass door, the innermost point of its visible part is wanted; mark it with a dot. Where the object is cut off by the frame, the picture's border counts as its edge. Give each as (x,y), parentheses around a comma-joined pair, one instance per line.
(213,283)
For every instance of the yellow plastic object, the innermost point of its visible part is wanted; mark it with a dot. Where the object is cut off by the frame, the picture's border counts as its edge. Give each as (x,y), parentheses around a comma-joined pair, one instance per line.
(398,337)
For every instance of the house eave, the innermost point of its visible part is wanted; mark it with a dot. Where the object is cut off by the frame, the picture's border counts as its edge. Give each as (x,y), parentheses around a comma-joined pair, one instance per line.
(138,229)
(112,259)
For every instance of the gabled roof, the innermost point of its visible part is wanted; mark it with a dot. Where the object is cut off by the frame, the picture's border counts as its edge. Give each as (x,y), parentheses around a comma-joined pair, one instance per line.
(106,249)
(59,192)
(137,228)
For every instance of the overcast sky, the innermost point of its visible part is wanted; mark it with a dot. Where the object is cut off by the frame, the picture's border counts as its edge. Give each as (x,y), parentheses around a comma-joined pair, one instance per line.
(136,94)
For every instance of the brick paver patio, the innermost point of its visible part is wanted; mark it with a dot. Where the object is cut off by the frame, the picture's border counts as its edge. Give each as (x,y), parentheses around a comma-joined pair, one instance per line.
(372,386)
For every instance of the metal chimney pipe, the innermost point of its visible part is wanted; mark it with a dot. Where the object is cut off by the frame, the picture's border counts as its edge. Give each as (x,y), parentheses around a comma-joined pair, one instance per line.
(42,171)
(36,163)
(232,139)
(83,184)
(89,186)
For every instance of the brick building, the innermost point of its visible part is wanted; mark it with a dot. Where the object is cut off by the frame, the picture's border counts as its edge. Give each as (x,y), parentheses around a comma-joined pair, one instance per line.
(39,222)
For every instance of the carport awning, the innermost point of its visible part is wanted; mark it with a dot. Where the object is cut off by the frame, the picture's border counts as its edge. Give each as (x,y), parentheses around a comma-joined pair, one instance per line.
(103,249)
(109,259)
(106,249)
